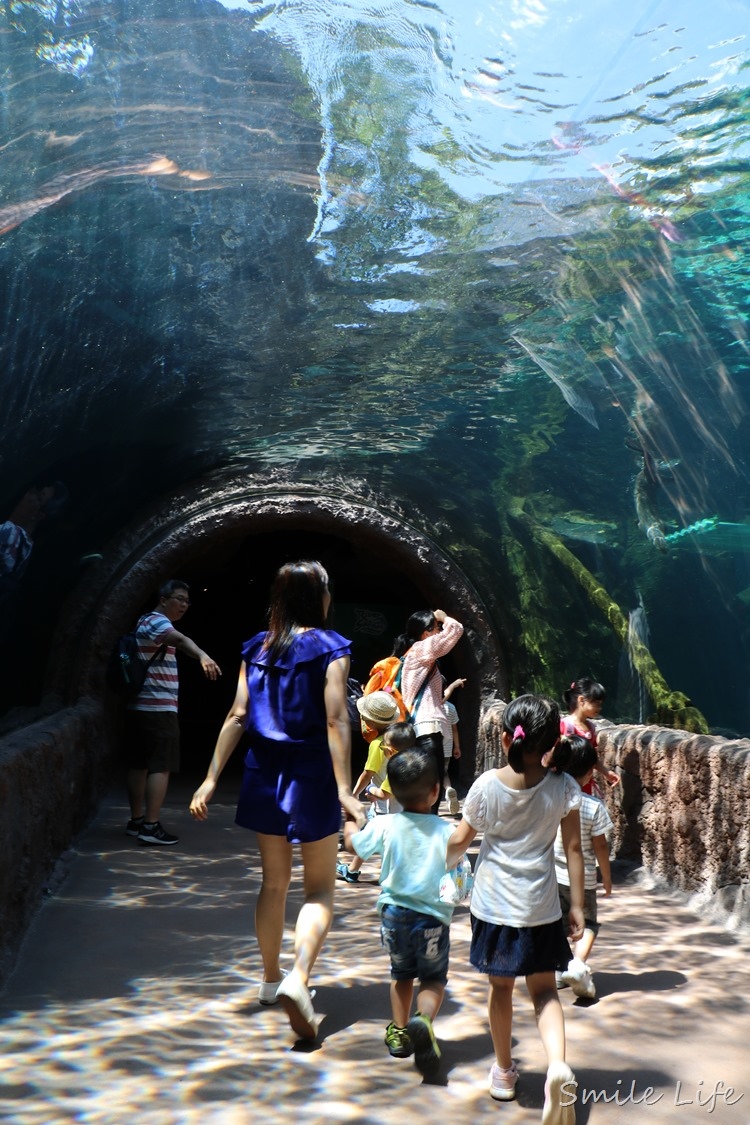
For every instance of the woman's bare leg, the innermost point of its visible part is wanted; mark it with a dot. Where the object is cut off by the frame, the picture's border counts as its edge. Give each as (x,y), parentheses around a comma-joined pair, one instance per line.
(276,862)
(315,917)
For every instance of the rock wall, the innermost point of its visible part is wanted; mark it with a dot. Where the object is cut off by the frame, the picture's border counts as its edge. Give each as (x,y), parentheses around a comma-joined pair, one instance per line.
(683,810)
(52,775)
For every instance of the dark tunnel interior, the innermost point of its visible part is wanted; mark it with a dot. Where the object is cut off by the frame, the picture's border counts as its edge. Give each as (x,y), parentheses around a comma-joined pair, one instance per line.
(229,585)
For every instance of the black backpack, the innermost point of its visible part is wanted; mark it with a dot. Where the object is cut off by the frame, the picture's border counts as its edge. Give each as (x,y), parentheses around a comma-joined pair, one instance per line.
(126,671)
(353,693)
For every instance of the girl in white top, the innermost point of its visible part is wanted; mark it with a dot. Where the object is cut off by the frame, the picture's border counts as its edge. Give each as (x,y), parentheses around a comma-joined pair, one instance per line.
(516,921)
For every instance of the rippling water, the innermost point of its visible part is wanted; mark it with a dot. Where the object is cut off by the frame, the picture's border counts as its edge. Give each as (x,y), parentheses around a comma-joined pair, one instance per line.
(494,251)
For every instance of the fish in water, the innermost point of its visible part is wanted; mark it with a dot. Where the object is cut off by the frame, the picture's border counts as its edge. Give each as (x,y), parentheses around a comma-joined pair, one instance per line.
(574,398)
(585,530)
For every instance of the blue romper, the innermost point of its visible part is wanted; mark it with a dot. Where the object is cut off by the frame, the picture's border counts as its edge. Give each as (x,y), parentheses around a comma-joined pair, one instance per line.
(288,787)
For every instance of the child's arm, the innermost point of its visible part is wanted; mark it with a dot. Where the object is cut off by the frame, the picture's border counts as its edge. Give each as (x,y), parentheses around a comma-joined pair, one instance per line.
(458,842)
(456,742)
(452,687)
(601,851)
(350,829)
(571,837)
(608,775)
(378,794)
(364,779)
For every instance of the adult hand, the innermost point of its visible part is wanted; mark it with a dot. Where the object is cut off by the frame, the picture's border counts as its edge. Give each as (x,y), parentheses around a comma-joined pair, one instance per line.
(211,669)
(201,797)
(353,809)
(439,615)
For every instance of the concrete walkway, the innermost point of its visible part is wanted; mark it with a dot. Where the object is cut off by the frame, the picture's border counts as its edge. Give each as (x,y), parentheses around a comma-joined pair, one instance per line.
(134,1000)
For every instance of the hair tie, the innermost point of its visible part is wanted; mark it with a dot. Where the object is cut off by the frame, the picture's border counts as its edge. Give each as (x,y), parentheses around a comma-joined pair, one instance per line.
(519,732)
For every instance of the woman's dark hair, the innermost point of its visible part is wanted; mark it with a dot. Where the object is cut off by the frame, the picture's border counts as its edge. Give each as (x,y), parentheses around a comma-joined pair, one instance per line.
(296,601)
(573,754)
(412,776)
(420,622)
(533,724)
(588,687)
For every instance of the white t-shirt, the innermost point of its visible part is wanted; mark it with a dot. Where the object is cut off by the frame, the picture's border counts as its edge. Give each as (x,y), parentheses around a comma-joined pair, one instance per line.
(514,878)
(595,821)
(452,715)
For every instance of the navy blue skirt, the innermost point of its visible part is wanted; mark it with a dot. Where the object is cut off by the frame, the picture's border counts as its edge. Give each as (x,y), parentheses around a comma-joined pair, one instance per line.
(510,951)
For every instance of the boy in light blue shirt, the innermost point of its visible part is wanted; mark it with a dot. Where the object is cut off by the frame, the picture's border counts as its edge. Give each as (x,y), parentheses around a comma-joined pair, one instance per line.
(414,922)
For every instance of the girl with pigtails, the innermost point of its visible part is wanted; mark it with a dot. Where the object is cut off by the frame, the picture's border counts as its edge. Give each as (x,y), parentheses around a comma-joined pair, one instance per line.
(516,921)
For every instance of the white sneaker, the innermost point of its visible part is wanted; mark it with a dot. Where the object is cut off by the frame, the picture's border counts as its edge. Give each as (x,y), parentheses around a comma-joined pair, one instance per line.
(585,986)
(451,797)
(560,1096)
(578,976)
(267,992)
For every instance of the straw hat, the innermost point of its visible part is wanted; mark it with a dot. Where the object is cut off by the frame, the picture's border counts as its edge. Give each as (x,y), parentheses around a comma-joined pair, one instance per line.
(378,707)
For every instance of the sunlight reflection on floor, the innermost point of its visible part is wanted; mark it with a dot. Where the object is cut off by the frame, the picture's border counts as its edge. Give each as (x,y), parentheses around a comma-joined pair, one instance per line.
(136,998)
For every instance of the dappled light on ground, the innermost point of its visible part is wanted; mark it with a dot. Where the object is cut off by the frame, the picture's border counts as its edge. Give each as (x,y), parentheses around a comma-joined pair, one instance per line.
(135,997)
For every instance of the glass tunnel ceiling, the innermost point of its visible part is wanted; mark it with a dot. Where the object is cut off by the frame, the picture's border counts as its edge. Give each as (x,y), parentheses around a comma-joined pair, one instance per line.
(487,257)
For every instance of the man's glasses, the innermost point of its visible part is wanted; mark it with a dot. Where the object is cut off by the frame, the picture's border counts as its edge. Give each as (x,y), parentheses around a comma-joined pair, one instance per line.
(181,599)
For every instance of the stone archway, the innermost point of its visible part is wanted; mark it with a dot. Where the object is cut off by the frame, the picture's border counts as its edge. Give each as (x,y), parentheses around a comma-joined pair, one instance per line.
(217,516)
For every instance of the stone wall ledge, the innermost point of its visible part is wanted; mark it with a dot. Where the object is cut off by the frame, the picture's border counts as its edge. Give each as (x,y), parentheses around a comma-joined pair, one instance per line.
(53,773)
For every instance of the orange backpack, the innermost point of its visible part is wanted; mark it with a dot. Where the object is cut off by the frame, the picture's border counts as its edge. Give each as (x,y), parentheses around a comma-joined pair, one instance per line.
(386,676)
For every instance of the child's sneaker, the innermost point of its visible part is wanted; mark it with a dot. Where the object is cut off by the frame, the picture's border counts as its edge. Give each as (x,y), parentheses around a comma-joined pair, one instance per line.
(397,1041)
(426,1050)
(560,1095)
(503,1083)
(451,797)
(578,976)
(343,872)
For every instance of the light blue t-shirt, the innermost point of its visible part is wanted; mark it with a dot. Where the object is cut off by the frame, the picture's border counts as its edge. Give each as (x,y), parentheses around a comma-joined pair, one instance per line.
(413,847)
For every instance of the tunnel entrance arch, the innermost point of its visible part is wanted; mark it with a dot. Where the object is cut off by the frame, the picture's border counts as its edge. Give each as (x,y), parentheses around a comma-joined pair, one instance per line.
(228,539)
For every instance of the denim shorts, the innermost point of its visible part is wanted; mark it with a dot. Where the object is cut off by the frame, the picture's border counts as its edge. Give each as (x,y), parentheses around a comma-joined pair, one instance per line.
(417,944)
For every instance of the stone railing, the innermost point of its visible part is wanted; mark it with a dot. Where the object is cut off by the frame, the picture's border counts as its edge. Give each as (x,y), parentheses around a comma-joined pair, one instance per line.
(681,810)
(52,776)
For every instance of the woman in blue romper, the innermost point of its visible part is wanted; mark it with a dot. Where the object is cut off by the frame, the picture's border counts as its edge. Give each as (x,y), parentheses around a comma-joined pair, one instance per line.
(291,699)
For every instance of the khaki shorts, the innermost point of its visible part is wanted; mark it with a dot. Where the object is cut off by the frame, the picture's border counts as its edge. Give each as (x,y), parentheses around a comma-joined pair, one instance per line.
(152,741)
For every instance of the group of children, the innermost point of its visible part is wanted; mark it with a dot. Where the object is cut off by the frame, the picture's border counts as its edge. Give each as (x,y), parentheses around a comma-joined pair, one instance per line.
(542,835)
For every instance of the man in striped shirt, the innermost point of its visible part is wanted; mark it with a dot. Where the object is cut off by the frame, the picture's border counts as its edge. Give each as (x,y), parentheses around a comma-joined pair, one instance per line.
(151,728)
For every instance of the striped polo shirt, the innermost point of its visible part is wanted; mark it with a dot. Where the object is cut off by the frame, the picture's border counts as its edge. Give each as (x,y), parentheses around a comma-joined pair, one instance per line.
(595,821)
(159,692)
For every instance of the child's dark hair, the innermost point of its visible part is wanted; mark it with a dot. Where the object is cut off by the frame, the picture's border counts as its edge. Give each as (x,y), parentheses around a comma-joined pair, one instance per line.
(400,737)
(588,687)
(412,776)
(574,754)
(533,725)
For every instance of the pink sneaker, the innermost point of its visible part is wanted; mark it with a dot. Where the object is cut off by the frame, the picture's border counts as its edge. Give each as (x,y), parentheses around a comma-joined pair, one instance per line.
(503,1083)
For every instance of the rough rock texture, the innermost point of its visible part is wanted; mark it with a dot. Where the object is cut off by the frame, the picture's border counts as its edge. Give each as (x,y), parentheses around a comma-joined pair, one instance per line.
(51,779)
(683,810)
